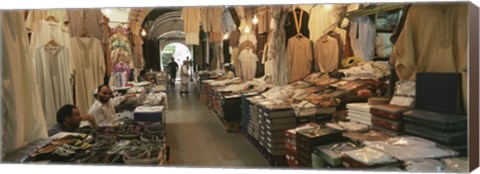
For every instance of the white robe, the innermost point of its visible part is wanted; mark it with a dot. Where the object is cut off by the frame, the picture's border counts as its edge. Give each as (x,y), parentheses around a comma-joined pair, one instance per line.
(184,78)
(22,115)
(54,71)
(90,68)
(364,45)
(248,60)
(44,31)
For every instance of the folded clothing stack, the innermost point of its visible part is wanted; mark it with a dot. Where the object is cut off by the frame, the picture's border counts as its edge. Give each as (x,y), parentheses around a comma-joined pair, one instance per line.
(308,139)
(359,112)
(388,118)
(149,113)
(449,130)
(291,145)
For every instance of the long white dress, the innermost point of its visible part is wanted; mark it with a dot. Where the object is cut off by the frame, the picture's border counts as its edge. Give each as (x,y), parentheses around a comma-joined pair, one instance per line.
(54,72)
(22,115)
(90,68)
(44,31)
(248,60)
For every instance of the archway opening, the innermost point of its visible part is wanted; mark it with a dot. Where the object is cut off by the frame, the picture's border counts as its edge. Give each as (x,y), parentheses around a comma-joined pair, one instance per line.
(178,51)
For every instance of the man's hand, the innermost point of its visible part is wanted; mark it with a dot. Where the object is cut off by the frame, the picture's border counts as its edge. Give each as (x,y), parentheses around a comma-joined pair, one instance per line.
(90,119)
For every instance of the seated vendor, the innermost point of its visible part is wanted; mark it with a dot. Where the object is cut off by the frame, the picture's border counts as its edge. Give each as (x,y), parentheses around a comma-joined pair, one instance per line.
(68,119)
(228,72)
(103,109)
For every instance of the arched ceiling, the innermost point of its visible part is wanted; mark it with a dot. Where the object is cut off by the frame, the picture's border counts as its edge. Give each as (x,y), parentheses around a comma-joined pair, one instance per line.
(164,23)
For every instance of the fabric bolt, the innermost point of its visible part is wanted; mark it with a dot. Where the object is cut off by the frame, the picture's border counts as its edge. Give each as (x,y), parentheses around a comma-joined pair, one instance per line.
(104,114)
(191,24)
(37,14)
(44,31)
(439,44)
(248,60)
(19,90)
(299,58)
(86,20)
(362,36)
(54,74)
(89,69)
(326,54)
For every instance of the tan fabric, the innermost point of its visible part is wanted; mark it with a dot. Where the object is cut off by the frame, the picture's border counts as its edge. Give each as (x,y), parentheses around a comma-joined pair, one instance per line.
(321,19)
(89,69)
(248,60)
(236,62)
(191,24)
(434,39)
(35,15)
(299,58)
(234,38)
(44,31)
(88,20)
(326,54)
(216,23)
(22,115)
(138,52)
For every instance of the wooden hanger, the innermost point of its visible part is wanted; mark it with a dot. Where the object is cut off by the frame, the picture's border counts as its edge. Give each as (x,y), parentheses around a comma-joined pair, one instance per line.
(84,34)
(51,18)
(52,42)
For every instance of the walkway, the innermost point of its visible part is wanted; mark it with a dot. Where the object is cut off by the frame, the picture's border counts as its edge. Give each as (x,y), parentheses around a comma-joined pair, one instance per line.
(197,138)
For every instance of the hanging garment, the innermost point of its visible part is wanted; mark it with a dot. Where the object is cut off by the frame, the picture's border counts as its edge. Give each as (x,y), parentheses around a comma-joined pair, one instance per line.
(228,25)
(234,38)
(54,74)
(341,47)
(191,24)
(119,55)
(86,20)
(433,39)
(36,15)
(321,19)
(236,62)
(248,60)
(89,69)
(22,115)
(266,58)
(326,54)
(297,18)
(277,47)
(248,37)
(212,22)
(44,31)
(299,58)
(362,36)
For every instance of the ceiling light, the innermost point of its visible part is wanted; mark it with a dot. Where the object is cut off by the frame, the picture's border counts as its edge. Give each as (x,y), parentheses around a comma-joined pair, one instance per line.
(144,33)
(328,6)
(247,29)
(255,19)
(225,36)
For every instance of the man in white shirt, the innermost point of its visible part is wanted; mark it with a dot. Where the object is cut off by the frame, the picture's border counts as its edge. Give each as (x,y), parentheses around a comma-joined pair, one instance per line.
(103,109)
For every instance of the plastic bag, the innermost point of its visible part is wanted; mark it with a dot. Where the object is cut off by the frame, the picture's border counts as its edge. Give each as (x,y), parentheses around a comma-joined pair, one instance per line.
(424,165)
(370,156)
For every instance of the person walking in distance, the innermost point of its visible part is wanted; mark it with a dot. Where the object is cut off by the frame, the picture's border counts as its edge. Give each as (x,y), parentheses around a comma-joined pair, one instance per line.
(184,77)
(172,70)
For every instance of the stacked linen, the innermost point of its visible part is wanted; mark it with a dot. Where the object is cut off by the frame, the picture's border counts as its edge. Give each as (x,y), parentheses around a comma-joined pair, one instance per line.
(359,112)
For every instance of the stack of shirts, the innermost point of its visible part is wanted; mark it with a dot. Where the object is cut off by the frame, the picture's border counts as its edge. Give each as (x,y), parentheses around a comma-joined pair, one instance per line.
(291,145)
(359,112)
(253,127)
(273,124)
(449,130)
(245,106)
(308,139)
(388,118)
(330,156)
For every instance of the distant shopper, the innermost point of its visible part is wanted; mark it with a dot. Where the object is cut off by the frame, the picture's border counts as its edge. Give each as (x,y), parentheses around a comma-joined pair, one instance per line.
(185,77)
(172,70)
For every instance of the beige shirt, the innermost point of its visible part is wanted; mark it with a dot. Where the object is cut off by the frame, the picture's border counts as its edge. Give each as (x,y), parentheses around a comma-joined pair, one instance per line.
(433,39)
(35,15)
(105,113)
(326,54)
(299,58)
(88,20)
(90,68)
